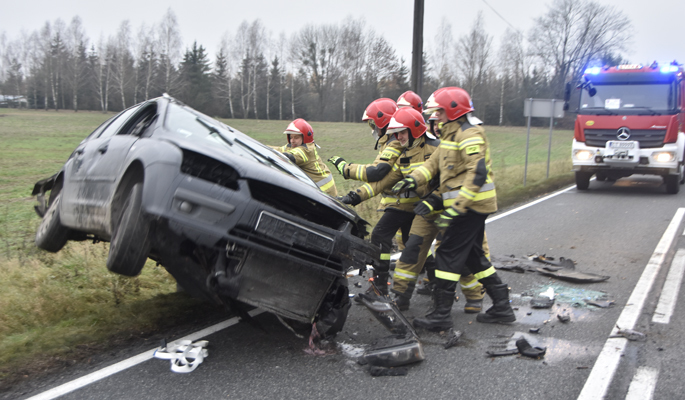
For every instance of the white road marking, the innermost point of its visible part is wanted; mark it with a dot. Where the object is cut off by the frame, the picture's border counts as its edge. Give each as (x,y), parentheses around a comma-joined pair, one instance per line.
(532,203)
(643,384)
(130,362)
(669,293)
(603,371)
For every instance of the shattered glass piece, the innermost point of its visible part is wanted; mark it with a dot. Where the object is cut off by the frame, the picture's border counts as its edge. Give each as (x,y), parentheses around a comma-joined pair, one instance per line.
(549,293)
(574,276)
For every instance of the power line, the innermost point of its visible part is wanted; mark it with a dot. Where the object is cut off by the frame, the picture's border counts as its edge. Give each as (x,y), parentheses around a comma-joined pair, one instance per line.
(503,19)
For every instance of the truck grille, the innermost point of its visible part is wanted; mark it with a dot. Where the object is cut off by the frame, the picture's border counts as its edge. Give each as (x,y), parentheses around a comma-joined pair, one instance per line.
(648,138)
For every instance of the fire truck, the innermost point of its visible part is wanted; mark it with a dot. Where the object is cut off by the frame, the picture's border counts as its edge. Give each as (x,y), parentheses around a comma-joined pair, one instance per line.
(630,121)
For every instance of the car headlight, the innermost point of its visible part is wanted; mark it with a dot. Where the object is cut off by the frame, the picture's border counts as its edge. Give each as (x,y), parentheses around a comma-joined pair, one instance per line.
(583,155)
(663,156)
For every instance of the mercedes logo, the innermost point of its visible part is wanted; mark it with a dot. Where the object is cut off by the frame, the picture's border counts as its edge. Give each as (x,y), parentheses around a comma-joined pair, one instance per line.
(623,133)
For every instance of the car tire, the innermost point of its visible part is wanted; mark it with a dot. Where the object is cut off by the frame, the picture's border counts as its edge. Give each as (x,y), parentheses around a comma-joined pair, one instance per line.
(672,184)
(600,177)
(130,244)
(51,234)
(583,180)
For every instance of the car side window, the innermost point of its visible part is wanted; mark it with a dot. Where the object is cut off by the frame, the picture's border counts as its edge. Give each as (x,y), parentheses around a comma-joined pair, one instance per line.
(114,126)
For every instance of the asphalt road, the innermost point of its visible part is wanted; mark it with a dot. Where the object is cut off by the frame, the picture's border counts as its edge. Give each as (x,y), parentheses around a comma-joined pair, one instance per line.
(612,229)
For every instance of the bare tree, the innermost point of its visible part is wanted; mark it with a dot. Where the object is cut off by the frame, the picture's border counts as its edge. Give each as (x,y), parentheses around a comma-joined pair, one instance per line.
(170,44)
(473,56)
(76,44)
(103,72)
(443,55)
(354,47)
(146,61)
(228,53)
(574,32)
(319,55)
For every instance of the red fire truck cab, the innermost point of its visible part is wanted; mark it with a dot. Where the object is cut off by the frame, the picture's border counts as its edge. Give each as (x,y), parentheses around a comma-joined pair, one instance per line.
(630,121)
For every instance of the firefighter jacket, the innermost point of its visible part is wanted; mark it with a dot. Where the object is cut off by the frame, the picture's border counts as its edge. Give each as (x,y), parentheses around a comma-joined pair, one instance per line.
(464,167)
(307,158)
(408,161)
(381,166)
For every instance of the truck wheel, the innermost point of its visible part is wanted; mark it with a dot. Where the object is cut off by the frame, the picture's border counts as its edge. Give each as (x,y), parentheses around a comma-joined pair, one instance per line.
(583,180)
(51,234)
(672,184)
(130,243)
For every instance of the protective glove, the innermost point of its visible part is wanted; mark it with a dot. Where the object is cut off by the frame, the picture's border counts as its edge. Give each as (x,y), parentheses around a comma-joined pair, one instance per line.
(339,163)
(352,198)
(430,204)
(404,185)
(446,218)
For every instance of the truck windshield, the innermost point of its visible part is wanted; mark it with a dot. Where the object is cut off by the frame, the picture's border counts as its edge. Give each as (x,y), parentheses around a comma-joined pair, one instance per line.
(635,99)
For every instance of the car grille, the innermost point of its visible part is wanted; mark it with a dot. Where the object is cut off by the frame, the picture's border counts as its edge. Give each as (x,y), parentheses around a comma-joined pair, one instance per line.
(648,138)
(293,234)
(209,169)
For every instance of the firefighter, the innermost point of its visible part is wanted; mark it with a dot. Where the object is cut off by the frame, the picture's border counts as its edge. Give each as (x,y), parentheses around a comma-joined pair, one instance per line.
(410,99)
(378,115)
(301,151)
(462,163)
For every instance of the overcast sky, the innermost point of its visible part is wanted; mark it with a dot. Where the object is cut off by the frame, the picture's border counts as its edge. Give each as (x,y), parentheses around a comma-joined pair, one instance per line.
(657,24)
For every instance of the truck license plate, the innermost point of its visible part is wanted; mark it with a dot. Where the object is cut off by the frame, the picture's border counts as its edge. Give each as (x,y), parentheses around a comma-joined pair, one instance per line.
(615,144)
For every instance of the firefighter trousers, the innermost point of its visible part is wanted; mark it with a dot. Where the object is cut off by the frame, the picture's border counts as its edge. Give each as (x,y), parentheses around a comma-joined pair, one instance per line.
(418,246)
(461,251)
(385,229)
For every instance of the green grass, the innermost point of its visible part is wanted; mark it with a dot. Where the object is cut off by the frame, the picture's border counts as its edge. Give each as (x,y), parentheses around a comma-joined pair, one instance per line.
(53,305)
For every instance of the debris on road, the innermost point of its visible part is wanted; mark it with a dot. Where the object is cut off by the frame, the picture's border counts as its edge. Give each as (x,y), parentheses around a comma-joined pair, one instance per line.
(534,330)
(563,318)
(573,276)
(601,304)
(452,338)
(630,334)
(563,269)
(382,371)
(184,355)
(525,348)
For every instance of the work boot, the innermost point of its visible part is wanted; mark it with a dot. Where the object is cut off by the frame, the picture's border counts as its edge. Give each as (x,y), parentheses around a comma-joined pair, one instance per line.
(501,310)
(426,288)
(440,318)
(474,299)
(402,302)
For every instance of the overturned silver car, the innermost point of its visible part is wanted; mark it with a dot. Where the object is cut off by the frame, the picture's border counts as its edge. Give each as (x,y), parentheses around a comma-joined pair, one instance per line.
(232,220)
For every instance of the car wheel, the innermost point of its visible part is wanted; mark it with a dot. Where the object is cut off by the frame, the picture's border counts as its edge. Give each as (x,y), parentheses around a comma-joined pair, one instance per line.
(672,184)
(583,180)
(130,243)
(51,234)
(333,311)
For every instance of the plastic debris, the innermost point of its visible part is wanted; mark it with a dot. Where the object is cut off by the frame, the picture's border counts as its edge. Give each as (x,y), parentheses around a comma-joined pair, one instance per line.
(452,338)
(630,334)
(549,293)
(529,351)
(185,355)
(574,276)
(534,330)
(563,318)
(601,304)
(541,302)
(381,371)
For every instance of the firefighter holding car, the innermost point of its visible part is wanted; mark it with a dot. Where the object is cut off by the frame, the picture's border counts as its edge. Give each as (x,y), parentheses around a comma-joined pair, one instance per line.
(463,166)
(301,151)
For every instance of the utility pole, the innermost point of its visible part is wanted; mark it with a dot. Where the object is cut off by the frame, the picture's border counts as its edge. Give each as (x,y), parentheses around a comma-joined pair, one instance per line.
(417,49)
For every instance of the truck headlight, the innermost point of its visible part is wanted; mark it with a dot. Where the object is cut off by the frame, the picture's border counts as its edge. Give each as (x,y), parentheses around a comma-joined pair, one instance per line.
(583,155)
(663,156)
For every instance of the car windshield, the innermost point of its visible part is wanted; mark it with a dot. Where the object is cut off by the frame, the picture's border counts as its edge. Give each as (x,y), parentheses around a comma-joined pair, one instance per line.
(203,130)
(648,99)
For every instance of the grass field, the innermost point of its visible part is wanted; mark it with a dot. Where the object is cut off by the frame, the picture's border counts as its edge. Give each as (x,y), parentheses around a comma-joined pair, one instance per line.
(55,305)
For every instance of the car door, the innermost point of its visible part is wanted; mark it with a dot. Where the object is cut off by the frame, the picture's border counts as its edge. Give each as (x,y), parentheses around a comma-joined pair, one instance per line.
(92,173)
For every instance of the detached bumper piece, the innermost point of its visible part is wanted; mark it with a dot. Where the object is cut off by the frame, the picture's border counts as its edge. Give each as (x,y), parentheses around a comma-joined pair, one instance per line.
(403,347)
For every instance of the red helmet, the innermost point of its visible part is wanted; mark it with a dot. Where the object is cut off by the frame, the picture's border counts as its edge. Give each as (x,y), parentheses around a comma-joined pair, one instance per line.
(455,101)
(300,127)
(408,118)
(410,99)
(380,111)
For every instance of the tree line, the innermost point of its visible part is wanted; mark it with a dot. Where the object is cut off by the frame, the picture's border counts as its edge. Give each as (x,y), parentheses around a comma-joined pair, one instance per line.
(325,72)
